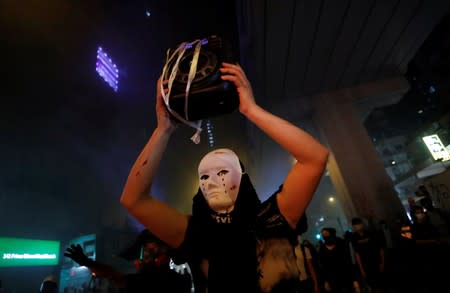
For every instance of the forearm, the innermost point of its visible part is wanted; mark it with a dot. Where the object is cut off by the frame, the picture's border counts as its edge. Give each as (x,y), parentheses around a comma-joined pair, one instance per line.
(312,272)
(297,142)
(142,174)
(163,220)
(303,178)
(382,257)
(107,272)
(359,264)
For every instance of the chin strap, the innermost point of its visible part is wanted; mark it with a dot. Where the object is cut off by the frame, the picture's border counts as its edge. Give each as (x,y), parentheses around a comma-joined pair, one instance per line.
(179,52)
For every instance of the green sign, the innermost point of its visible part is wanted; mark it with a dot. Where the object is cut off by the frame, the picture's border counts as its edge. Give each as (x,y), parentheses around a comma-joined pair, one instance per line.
(28,252)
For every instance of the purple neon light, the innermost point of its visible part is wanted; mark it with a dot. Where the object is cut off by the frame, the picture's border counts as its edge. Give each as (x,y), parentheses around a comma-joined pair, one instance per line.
(203,41)
(107,69)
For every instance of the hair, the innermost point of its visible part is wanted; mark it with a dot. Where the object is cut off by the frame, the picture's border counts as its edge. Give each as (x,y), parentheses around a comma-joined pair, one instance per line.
(330,230)
(133,251)
(356,221)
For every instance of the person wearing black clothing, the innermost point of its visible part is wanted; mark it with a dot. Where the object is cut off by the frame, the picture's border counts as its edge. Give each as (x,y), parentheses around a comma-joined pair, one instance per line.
(430,253)
(49,285)
(307,262)
(153,268)
(243,244)
(369,255)
(336,268)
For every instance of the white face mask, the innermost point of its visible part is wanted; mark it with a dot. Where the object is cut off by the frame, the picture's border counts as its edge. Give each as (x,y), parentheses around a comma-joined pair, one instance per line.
(220,175)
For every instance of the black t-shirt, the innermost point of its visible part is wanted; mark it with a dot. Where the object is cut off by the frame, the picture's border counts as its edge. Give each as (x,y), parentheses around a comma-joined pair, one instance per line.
(368,245)
(245,256)
(336,264)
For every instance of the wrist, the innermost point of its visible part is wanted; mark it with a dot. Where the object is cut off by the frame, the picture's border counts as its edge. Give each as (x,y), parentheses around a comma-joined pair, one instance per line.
(249,110)
(164,130)
(87,262)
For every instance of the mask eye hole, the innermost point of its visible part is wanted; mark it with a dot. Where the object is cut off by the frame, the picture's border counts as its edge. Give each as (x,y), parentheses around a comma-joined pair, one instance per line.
(222,172)
(204,177)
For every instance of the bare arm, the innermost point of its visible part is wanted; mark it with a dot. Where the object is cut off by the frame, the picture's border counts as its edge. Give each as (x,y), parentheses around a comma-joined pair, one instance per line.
(311,156)
(76,253)
(360,266)
(313,274)
(108,272)
(160,218)
(382,260)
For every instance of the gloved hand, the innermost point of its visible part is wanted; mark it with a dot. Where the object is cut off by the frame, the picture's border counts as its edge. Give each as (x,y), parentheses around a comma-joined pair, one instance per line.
(76,253)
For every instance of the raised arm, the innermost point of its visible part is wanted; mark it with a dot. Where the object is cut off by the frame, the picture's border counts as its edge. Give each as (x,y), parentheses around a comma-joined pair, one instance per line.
(303,178)
(161,219)
(76,253)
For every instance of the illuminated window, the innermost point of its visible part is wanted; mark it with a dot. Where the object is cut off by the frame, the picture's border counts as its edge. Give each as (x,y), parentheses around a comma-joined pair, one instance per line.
(436,147)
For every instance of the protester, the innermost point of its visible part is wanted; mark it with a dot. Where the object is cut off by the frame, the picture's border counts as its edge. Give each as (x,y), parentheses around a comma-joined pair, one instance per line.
(244,245)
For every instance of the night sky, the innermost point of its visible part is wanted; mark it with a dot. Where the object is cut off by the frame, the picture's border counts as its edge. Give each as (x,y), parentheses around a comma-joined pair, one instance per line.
(67,139)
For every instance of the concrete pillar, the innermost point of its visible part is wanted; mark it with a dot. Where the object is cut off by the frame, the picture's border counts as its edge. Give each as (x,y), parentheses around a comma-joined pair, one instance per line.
(355,168)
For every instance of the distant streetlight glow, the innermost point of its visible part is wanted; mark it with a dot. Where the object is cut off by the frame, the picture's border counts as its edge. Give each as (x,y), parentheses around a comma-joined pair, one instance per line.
(331,199)
(431,89)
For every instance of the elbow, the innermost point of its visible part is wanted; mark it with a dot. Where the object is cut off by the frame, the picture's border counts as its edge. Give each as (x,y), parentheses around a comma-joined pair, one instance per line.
(126,202)
(323,155)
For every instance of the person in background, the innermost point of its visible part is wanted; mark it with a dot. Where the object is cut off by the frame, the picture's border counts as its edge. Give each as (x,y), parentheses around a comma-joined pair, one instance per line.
(153,268)
(244,245)
(436,219)
(308,277)
(336,267)
(412,205)
(49,285)
(430,252)
(369,255)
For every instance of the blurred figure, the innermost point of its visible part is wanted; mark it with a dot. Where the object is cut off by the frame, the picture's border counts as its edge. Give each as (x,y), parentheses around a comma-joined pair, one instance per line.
(404,264)
(49,285)
(423,194)
(1,287)
(369,256)
(430,252)
(423,231)
(153,268)
(412,205)
(336,268)
(436,219)
(308,277)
